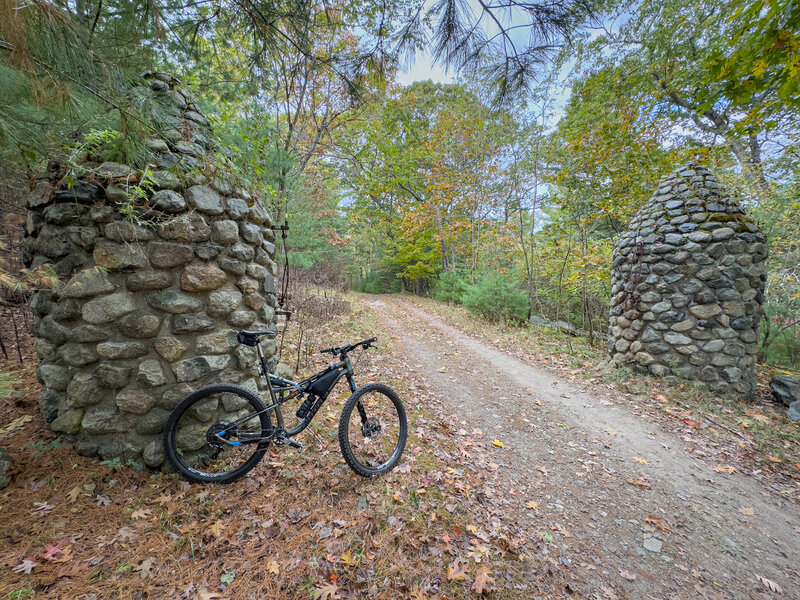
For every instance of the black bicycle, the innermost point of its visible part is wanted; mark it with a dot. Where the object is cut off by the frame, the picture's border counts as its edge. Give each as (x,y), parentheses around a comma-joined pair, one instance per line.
(221,431)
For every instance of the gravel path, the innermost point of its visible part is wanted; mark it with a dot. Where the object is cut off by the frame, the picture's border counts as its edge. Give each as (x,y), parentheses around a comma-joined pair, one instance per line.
(685,532)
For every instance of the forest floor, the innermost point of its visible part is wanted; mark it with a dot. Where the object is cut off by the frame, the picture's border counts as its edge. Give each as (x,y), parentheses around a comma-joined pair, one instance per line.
(521,479)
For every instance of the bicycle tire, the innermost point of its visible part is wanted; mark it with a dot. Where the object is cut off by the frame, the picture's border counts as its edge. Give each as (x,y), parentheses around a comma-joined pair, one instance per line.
(386,404)
(180,460)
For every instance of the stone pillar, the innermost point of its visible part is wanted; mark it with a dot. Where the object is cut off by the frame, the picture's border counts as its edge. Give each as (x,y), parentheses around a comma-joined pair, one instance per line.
(687,286)
(146,311)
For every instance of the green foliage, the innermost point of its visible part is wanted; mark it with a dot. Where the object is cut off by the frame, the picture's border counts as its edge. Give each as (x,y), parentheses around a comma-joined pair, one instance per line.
(40,447)
(92,144)
(496,296)
(379,281)
(7,383)
(21,594)
(449,287)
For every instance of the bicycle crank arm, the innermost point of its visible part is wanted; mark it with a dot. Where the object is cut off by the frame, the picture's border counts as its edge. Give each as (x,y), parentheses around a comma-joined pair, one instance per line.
(288,442)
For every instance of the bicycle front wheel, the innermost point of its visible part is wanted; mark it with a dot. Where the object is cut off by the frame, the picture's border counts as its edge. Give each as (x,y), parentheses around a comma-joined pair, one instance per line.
(373,430)
(216,434)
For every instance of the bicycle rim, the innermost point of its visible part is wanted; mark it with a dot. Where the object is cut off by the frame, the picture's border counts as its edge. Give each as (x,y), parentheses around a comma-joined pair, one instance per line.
(210,436)
(373,430)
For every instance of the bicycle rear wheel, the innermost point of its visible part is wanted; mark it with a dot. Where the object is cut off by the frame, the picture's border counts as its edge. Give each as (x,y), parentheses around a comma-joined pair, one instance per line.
(373,430)
(213,436)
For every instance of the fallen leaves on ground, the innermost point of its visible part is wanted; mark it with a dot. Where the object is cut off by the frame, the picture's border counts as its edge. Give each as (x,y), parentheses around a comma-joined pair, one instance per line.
(769,584)
(725,469)
(484,581)
(639,482)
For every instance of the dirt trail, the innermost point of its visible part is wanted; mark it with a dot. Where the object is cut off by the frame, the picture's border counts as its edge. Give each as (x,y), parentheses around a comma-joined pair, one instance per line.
(694,533)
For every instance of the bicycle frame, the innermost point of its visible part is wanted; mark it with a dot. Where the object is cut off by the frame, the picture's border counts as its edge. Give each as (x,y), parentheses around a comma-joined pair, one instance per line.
(278,395)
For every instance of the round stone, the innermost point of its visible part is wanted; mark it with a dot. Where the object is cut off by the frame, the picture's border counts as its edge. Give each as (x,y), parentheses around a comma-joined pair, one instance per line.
(173,302)
(148,280)
(139,324)
(168,201)
(108,308)
(205,200)
(164,255)
(202,278)
(150,373)
(134,400)
(121,350)
(89,282)
(192,369)
(170,348)
(225,232)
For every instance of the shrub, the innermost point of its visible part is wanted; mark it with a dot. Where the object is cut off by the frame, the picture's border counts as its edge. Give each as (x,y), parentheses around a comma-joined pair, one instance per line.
(497,297)
(449,287)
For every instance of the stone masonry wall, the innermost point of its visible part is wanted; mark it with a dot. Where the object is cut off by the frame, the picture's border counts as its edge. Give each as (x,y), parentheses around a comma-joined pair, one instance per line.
(687,286)
(146,313)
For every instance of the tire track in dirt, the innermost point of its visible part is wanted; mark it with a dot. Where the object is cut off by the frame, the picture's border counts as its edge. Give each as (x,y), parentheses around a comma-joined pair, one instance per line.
(573,451)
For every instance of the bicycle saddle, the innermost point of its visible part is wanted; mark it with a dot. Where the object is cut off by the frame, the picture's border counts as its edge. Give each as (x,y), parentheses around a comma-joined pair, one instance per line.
(250,338)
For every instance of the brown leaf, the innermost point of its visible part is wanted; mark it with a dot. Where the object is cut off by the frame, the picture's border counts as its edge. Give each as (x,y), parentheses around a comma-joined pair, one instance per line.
(457,570)
(216,529)
(747,510)
(329,591)
(725,469)
(126,534)
(639,482)
(16,424)
(74,569)
(74,493)
(626,575)
(484,581)
(141,513)
(608,593)
(204,594)
(658,523)
(770,585)
(146,569)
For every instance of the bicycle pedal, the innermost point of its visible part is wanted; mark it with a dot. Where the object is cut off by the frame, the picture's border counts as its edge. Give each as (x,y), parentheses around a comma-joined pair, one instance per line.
(295,445)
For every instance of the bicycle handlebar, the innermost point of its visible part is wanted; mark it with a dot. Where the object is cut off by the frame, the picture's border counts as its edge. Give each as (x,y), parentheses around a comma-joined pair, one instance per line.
(343,350)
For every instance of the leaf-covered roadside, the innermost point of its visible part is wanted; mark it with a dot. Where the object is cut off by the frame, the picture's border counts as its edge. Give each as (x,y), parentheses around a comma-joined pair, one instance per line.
(439,526)
(756,436)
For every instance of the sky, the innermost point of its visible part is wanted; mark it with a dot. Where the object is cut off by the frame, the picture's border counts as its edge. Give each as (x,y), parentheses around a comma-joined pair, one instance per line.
(422,69)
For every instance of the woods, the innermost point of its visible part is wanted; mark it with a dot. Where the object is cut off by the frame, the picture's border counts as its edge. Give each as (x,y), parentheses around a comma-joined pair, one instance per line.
(522,173)
(573,254)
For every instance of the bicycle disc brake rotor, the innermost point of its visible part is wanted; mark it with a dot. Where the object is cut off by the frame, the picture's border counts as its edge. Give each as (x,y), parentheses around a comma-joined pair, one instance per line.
(371,427)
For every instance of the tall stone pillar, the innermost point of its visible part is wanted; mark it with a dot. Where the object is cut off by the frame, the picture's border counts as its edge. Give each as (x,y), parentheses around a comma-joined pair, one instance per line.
(687,285)
(147,310)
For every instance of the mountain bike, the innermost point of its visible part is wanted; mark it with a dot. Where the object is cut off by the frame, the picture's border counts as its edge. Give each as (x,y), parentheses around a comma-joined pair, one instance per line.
(221,431)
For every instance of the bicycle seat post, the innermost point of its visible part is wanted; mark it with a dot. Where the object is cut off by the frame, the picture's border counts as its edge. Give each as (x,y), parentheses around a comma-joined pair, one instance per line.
(265,374)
